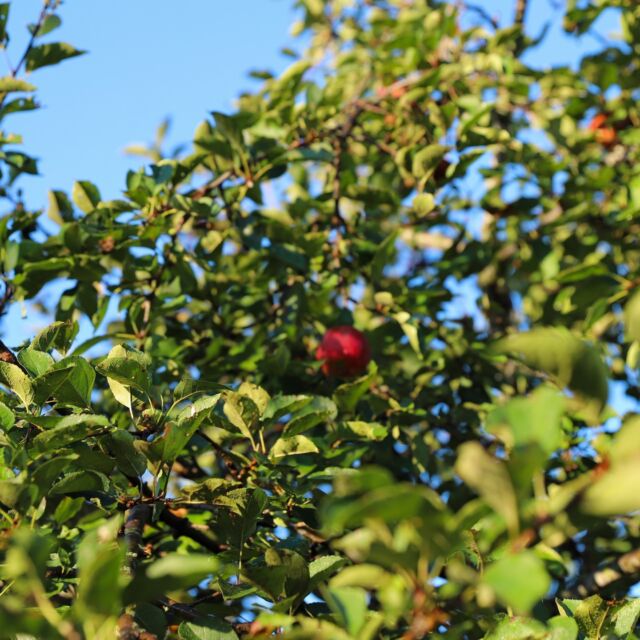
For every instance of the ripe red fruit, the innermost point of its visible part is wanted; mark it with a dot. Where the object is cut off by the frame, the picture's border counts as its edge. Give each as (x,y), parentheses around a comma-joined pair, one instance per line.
(598,121)
(603,131)
(345,352)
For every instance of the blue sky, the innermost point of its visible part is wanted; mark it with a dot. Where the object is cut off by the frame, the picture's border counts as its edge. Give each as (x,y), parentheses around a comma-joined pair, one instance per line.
(146,60)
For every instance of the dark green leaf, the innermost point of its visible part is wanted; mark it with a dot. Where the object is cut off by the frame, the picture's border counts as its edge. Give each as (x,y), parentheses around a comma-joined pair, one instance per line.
(47,54)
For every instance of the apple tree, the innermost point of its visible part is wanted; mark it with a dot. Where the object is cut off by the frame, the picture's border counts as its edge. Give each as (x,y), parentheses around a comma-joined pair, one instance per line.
(342,369)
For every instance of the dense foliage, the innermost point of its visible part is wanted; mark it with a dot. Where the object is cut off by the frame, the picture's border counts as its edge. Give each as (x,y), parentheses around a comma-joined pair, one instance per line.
(189,471)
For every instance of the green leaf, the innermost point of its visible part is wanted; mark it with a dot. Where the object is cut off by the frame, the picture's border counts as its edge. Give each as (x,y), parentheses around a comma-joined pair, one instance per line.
(311,414)
(50,23)
(632,317)
(623,619)
(236,413)
(410,330)
(626,442)
(615,493)
(9,84)
(281,405)
(7,419)
(58,335)
(51,264)
(367,576)
(563,628)
(359,430)
(127,366)
(11,492)
(86,483)
(208,490)
(349,605)
(238,521)
(292,446)
(28,553)
(423,204)
(177,433)
(76,390)
(47,385)
(488,477)
(13,377)
(426,160)
(518,628)
(348,395)
(4,18)
(100,561)
(121,446)
(385,254)
(259,396)
(86,195)
(598,618)
(70,429)
(121,392)
(535,419)
(282,573)
(47,54)
(571,362)
(290,256)
(172,572)
(36,362)
(382,504)
(249,514)
(60,208)
(206,629)
(518,580)
(323,567)
(188,387)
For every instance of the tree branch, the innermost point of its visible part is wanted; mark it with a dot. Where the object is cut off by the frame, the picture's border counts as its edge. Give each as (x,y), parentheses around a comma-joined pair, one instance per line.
(182,527)
(339,148)
(47,6)
(206,189)
(137,518)
(483,14)
(6,355)
(521,12)
(627,565)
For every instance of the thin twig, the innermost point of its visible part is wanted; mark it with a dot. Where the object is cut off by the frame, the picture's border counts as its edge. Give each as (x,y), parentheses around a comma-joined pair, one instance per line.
(46,8)
(182,527)
(483,14)
(339,147)
(206,189)
(521,12)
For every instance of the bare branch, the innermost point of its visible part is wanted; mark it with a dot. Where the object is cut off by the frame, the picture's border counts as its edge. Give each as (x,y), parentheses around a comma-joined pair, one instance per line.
(483,14)
(521,12)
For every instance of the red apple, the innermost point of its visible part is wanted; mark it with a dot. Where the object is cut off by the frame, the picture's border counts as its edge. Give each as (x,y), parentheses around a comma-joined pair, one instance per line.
(345,352)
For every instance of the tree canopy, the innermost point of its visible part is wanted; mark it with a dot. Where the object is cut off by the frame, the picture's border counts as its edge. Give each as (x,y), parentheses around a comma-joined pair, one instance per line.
(177,460)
